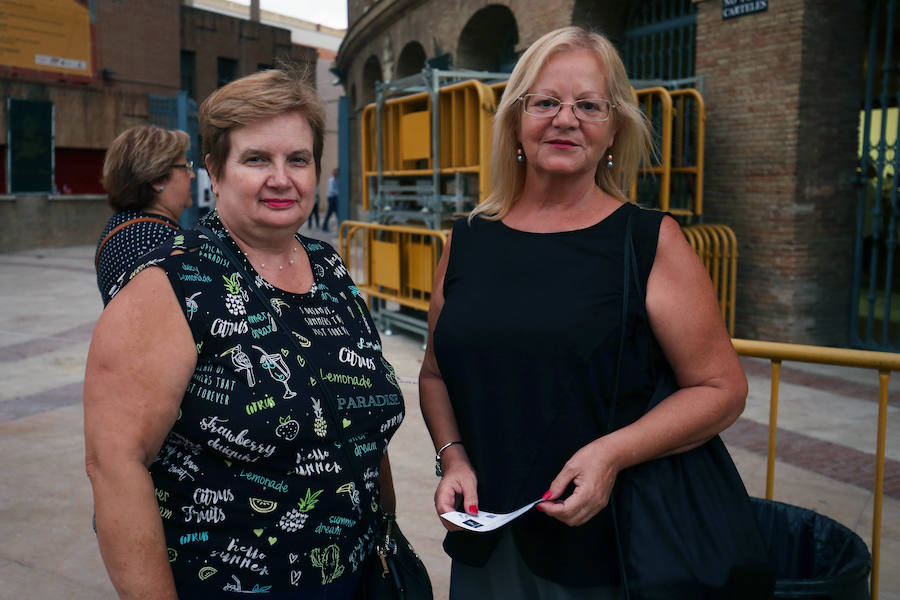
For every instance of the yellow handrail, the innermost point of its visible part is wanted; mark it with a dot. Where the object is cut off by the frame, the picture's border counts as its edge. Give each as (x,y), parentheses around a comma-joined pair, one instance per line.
(884,362)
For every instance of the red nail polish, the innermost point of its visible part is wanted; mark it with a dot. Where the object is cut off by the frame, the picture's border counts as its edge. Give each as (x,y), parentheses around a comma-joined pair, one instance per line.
(473,509)
(547,495)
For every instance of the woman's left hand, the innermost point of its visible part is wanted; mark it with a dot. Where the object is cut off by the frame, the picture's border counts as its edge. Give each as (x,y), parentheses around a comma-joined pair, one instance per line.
(593,472)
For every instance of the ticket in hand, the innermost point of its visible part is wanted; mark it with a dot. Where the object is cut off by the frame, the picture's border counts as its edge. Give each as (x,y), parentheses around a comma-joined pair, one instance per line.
(485,521)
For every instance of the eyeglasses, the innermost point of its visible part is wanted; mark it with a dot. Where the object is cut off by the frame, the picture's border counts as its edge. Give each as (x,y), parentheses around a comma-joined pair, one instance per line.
(189,165)
(594,110)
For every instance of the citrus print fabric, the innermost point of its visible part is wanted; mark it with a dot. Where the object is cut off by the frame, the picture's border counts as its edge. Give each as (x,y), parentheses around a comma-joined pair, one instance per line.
(253,486)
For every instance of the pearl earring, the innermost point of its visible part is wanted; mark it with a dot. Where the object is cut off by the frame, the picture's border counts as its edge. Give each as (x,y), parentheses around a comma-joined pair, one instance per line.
(520,156)
(609,161)
(160,188)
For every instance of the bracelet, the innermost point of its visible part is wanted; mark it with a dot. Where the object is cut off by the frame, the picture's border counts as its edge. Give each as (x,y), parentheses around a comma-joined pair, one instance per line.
(437,458)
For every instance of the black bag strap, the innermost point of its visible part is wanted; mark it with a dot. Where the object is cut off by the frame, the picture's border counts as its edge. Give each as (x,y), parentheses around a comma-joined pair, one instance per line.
(122,226)
(330,400)
(629,262)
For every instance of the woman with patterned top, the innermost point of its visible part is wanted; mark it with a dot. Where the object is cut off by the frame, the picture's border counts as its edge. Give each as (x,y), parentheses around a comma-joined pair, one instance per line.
(218,466)
(148,178)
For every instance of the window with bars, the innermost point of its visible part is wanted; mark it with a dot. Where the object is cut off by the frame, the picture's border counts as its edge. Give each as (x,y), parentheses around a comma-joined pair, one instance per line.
(659,40)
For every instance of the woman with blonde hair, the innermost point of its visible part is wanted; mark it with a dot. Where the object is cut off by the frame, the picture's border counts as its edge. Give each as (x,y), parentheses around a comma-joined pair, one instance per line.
(517,384)
(237,404)
(148,179)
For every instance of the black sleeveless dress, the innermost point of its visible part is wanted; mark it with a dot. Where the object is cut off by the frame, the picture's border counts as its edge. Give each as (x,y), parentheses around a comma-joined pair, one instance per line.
(526,343)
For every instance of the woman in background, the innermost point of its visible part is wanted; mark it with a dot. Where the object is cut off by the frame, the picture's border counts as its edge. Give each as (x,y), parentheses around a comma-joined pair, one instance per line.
(148,178)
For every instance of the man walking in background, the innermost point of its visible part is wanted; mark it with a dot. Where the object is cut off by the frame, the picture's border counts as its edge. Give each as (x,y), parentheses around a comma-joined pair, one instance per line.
(332,199)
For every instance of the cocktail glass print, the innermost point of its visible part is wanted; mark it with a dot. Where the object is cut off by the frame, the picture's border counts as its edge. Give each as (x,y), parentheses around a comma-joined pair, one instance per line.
(241,362)
(191,305)
(277,368)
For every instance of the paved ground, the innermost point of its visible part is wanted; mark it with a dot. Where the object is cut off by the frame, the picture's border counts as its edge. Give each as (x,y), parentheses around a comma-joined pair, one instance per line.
(50,303)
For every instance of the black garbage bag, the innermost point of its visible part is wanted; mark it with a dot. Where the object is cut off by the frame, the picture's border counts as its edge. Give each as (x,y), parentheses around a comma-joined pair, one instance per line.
(812,555)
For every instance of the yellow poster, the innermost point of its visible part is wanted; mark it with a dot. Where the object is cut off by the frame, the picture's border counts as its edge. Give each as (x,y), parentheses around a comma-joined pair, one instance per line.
(46,35)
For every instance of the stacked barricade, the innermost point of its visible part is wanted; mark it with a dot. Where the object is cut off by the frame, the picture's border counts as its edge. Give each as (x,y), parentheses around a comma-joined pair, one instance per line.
(411,175)
(417,181)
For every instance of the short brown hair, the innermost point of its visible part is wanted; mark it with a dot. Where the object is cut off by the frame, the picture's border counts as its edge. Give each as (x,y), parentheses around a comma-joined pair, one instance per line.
(253,98)
(136,159)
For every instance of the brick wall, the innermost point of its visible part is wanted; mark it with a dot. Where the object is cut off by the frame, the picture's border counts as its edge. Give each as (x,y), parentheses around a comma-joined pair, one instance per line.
(210,36)
(830,98)
(782,97)
(139,40)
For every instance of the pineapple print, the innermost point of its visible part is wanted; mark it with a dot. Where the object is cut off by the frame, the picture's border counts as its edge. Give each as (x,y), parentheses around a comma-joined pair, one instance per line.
(320,426)
(236,297)
(293,520)
(309,502)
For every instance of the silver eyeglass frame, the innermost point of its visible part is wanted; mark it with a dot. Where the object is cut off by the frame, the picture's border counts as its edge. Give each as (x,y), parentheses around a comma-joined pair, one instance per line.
(524,97)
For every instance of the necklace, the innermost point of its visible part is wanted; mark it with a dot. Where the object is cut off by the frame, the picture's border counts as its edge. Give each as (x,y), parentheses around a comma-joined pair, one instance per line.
(290,261)
(262,265)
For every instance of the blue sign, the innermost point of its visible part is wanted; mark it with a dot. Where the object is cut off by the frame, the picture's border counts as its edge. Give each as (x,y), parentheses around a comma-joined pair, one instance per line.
(739,8)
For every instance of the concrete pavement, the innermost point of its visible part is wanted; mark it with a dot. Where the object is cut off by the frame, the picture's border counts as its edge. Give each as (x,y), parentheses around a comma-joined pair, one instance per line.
(49,305)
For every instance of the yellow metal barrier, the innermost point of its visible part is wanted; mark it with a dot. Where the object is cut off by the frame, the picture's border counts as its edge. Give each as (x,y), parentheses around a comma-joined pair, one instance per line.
(883,362)
(656,103)
(716,245)
(466,109)
(688,153)
(392,263)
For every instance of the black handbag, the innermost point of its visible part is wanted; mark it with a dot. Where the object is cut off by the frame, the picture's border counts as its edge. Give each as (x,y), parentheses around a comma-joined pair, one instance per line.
(394,570)
(684,524)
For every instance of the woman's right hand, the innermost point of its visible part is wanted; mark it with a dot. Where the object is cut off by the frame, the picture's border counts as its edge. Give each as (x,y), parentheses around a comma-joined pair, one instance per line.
(458,483)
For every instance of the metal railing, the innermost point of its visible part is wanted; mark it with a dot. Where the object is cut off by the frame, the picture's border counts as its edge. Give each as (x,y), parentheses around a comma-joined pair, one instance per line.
(883,362)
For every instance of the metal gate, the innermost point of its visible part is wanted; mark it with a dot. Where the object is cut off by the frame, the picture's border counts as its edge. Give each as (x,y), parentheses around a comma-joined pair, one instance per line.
(658,52)
(659,40)
(875,306)
(180,112)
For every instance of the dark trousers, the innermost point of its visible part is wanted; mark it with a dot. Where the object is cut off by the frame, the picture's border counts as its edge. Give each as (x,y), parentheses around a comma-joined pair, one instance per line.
(332,210)
(314,216)
(507,577)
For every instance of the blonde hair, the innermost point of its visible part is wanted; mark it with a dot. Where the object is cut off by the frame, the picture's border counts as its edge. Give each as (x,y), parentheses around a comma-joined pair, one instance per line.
(254,98)
(138,158)
(632,142)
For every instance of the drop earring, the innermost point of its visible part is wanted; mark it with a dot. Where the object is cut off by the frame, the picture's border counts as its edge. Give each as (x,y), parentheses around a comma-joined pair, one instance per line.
(520,156)
(609,161)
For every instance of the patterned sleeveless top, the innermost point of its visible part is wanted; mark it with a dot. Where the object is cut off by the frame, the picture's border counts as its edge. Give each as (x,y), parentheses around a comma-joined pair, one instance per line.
(254,489)
(123,251)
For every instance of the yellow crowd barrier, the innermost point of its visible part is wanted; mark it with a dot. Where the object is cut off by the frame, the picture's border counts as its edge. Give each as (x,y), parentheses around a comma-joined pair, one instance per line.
(656,104)
(465,109)
(883,362)
(716,245)
(392,263)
